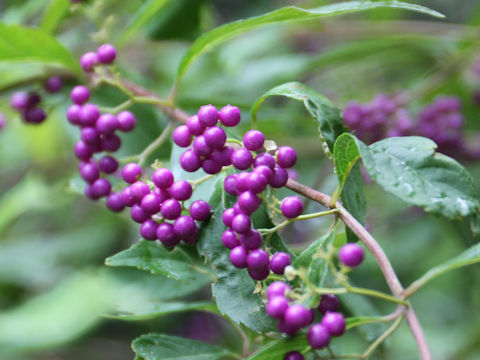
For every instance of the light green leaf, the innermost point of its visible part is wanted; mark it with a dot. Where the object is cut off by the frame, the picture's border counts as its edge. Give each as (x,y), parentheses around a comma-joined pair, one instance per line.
(223,33)
(346,155)
(54,14)
(147,12)
(468,257)
(328,115)
(362,320)
(165,347)
(277,349)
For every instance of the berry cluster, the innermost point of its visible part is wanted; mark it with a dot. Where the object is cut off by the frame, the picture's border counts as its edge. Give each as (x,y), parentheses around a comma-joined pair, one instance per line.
(27,103)
(292,317)
(105,55)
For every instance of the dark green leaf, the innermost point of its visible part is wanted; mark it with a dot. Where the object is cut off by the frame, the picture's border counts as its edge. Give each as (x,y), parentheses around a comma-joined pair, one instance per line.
(164,347)
(277,349)
(328,115)
(54,14)
(223,33)
(150,256)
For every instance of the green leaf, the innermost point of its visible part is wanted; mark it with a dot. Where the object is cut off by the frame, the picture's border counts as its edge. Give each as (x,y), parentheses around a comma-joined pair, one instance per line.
(468,257)
(327,114)
(54,14)
(234,289)
(147,12)
(165,347)
(226,32)
(277,349)
(150,256)
(409,168)
(31,53)
(346,155)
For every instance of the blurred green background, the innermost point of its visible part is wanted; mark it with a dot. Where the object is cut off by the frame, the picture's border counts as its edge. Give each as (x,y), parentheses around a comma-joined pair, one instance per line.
(54,287)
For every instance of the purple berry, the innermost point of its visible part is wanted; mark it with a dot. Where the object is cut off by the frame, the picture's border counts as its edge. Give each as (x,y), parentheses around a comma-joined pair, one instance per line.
(279,262)
(211,166)
(195,127)
(229,239)
(149,229)
(131,172)
(259,275)
(264,159)
(208,115)
(351,254)
(241,159)
(238,210)
(115,202)
(287,328)
(2,121)
(107,124)
(127,196)
(200,210)
(101,187)
(293,355)
(328,302)
(318,336)
(108,164)
(227,217)
(279,178)
(229,116)
(19,100)
(126,121)
(171,209)
(82,151)
(201,147)
(277,306)
(192,239)
(251,240)
(253,140)
(166,235)
(226,154)
(181,136)
(139,189)
(215,137)
(286,156)
(334,322)
(277,288)
(88,192)
(190,161)
(241,224)
(292,206)
(297,316)
(258,260)
(151,203)
(163,178)
(89,115)
(184,226)
(138,214)
(106,54)
(230,184)
(256,182)
(181,190)
(53,84)
(80,95)
(238,257)
(88,61)
(249,202)
(34,115)
(89,172)
(90,135)
(242,182)
(161,193)
(73,114)
(111,143)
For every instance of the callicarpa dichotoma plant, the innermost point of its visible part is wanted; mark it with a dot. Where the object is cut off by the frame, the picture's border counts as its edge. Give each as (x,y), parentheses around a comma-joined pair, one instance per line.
(225,215)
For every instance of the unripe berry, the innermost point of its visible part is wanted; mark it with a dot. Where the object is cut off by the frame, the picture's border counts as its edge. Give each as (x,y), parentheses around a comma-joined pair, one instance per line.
(229,116)
(171,209)
(166,235)
(163,178)
(200,210)
(115,202)
(258,260)
(181,190)
(80,95)
(297,316)
(149,229)
(251,240)
(138,214)
(108,164)
(229,239)
(53,84)
(88,61)
(291,207)
(279,178)
(238,257)
(208,115)
(318,336)
(126,121)
(277,288)
(131,172)
(190,161)
(241,224)
(229,184)
(181,136)
(101,187)
(107,124)
(195,127)
(293,355)
(277,306)
(215,137)
(334,322)
(241,159)
(351,254)
(286,156)
(106,54)
(139,189)
(253,140)
(151,203)
(279,261)
(227,217)
(184,227)
(328,302)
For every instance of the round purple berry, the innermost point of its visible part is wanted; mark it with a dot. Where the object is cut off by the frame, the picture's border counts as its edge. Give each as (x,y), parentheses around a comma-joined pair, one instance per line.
(208,115)
(131,172)
(184,226)
(227,217)
(286,156)
(126,121)
(139,189)
(215,137)
(200,210)
(53,84)
(108,164)
(101,187)
(166,235)
(328,302)
(181,136)
(293,355)
(229,116)
(256,182)
(251,240)
(195,127)
(230,184)
(149,229)
(264,159)
(253,140)
(88,61)
(334,322)
(181,190)
(107,124)
(163,178)
(292,206)
(115,202)
(277,288)
(80,95)
(106,54)
(201,147)
(226,154)
(171,209)
(190,161)
(242,159)
(138,214)
(277,306)
(229,239)
(318,336)
(111,143)
(19,100)
(211,166)
(73,114)
(238,257)
(90,135)
(351,254)
(279,178)
(241,224)
(249,202)
(151,203)
(287,328)
(89,115)
(34,115)
(279,262)
(127,196)
(259,275)
(192,239)
(258,260)
(89,172)
(297,316)
(82,151)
